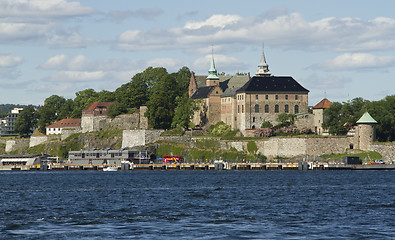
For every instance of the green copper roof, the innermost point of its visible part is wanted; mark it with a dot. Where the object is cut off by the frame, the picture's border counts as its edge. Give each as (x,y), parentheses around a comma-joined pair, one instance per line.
(366,118)
(212,72)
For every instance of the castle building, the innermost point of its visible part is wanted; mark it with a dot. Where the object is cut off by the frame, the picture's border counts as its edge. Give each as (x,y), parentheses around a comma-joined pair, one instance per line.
(318,112)
(244,102)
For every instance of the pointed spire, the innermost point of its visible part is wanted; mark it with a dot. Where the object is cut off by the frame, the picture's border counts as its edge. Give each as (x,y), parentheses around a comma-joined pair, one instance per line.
(212,72)
(263,67)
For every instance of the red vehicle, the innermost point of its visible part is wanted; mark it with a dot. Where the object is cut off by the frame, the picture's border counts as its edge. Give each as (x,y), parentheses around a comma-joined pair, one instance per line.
(173,159)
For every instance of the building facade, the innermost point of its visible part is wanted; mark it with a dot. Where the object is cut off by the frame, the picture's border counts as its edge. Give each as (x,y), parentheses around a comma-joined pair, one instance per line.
(59,126)
(243,102)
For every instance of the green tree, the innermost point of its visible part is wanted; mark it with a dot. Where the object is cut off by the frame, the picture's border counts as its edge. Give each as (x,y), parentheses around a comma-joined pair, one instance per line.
(133,93)
(184,111)
(116,109)
(26,122)
(286,119)
(54,108)
(161,105)
(82,100)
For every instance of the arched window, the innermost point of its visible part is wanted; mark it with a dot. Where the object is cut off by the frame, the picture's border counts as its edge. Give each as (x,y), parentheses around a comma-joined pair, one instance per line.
(296,109)
(266,108)
(286,108)
(276,109)
(257,108)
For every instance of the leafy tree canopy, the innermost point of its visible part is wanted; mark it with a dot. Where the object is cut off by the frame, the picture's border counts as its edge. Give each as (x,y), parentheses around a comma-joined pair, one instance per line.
(26,122)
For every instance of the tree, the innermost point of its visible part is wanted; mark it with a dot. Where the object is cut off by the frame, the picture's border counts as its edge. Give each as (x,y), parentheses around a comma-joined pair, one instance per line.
(161,105)
(83,99)
(286,119)
(116,109)
(133,93)
(54,108)
(184,111)
(339,118)
(26,122)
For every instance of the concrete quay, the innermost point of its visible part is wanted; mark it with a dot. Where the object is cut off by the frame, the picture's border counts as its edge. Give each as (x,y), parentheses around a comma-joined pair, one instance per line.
(202,166)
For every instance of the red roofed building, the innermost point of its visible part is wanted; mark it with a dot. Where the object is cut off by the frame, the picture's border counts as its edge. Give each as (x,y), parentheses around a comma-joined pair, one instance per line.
(57,127)
(97,109)
(318,111)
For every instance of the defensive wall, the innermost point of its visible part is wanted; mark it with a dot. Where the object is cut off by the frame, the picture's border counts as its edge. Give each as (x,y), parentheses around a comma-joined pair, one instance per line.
(386,151)
(37,140)
(290,147)
(134,138)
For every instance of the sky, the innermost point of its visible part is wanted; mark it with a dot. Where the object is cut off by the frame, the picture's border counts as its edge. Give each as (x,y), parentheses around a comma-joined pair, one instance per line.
(336,49)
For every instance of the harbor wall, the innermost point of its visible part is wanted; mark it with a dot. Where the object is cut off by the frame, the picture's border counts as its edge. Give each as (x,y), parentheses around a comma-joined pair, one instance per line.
(386,151)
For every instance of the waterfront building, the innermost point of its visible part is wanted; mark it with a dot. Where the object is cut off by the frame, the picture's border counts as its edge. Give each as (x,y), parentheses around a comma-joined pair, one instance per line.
(22,159)
(109,156)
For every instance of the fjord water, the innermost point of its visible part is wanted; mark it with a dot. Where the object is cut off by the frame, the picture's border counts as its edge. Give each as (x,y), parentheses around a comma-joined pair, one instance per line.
(198,204)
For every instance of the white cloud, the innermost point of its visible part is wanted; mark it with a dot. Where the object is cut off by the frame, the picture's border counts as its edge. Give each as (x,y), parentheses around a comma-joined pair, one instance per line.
(22,31)
(7,61)
(217,21)
(358,61)
(146,14)
(168,63)
(40,10)
(83,63)
(284,31)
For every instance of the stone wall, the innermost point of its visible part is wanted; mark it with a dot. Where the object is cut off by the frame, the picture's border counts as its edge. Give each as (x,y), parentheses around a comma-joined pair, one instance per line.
(293,147)
(125,121)
(37,140)
(386,151)
(68,132)
(134,138)
(12,145)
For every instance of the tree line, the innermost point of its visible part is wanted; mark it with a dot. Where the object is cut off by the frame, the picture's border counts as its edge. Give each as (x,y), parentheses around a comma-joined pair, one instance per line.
(165,95)
(339,118)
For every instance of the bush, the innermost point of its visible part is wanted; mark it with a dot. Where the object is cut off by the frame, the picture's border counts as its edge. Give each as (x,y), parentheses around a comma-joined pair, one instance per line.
(218,129)
(179,131)
(266,124)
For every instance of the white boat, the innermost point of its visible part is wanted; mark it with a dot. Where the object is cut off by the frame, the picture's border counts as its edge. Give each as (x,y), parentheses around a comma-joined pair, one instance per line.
(110,169)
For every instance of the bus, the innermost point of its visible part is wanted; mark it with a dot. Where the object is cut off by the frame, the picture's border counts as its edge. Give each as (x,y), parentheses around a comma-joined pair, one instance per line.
(173,159)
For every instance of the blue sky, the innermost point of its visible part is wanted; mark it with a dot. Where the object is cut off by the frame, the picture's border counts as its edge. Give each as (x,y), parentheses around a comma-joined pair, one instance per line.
(337,49)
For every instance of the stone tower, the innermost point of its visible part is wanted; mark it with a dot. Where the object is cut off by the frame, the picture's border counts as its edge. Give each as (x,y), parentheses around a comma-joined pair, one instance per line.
(365,132)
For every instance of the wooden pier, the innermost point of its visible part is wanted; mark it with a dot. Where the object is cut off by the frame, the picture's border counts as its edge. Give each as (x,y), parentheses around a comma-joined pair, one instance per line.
(305,166)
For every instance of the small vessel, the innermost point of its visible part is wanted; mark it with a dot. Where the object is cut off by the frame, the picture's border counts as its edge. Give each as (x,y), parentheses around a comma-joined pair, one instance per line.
(110,169)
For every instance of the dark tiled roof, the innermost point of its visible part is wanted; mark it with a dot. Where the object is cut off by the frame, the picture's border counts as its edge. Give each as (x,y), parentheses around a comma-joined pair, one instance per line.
(202,92)
(272,84)
(324,104)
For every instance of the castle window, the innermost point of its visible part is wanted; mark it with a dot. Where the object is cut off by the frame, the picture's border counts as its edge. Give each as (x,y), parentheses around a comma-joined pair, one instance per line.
(296,97)
(276,97)
(253,119)
(286,97)
(267,97)
(238,108)
(276,109)
(256,96)
(296,109)
(286,108)
(257,108)
(266,108)
(242,108)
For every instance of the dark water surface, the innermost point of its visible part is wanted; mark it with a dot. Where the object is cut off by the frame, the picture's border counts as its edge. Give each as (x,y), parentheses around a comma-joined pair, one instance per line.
(198,204)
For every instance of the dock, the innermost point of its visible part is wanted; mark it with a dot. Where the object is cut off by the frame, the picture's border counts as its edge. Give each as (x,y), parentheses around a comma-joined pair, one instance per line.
(304,166)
